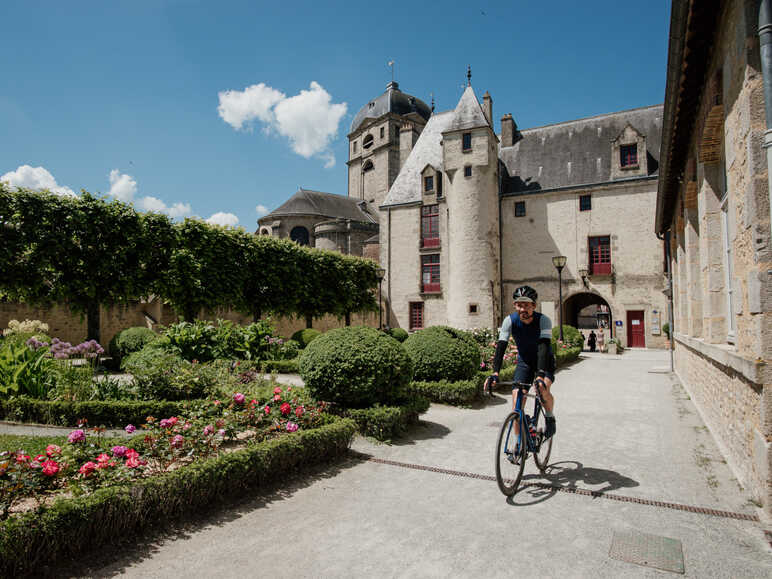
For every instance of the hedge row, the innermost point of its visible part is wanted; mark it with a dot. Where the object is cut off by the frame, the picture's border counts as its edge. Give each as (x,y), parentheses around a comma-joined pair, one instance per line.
(104,413)
(71,527)
(387,422)
(462,392)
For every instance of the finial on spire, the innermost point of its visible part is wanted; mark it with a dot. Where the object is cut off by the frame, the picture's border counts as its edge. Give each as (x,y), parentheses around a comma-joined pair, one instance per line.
(391,64)
(432,94)
(469,75)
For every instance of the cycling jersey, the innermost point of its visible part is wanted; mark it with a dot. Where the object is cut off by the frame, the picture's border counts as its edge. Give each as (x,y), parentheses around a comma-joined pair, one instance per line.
(526,336)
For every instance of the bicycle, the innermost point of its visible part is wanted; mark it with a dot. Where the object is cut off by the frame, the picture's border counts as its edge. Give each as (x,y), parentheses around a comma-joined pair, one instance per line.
(513,448)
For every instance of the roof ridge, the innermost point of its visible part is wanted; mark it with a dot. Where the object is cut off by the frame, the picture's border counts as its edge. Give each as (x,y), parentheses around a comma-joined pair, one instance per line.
(599,116)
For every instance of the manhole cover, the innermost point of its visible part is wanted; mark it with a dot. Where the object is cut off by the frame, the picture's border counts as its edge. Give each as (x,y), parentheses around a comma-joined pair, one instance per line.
(648,550)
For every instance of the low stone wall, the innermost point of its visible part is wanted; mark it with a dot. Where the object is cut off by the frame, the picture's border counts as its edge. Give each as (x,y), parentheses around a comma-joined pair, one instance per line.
(731,406)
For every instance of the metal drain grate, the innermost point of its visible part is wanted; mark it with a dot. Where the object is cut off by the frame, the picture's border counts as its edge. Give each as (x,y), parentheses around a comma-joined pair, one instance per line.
(648,550)
(571,490)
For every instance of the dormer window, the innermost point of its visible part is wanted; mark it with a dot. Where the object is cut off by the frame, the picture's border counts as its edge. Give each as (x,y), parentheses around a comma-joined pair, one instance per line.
(429,183)
(367,142)
(628,155)
(466,141)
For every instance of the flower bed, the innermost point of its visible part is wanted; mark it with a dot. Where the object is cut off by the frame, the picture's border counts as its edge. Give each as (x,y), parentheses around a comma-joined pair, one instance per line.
(71,527)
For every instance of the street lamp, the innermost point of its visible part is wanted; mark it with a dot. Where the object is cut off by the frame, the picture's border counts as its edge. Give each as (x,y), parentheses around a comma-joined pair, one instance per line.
(559,261)
(380,273)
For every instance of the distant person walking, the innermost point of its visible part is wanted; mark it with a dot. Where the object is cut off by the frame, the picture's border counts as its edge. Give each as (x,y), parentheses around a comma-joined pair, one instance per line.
(591,340)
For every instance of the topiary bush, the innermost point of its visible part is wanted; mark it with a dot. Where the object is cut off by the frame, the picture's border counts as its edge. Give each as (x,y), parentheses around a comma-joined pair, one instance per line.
(305,337)
(398,334)
(355,367)
(443,353)
(129,341)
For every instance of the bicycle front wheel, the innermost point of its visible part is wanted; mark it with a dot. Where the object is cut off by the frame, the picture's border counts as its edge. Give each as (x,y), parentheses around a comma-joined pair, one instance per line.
(510,455)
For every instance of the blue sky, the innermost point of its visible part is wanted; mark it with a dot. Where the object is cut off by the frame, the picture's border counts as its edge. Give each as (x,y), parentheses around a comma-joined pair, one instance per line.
(222,110)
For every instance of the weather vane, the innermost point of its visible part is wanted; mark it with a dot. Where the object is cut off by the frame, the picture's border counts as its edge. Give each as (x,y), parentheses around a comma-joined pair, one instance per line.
(391,64)
(469,75)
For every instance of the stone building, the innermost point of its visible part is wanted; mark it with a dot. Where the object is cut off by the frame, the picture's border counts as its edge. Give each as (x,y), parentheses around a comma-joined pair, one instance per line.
(713,207)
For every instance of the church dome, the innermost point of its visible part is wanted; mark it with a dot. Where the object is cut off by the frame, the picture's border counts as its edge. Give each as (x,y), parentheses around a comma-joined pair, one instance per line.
(392,101)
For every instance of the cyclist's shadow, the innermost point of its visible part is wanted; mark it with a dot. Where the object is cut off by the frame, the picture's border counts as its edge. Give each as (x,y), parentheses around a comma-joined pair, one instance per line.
(567,475)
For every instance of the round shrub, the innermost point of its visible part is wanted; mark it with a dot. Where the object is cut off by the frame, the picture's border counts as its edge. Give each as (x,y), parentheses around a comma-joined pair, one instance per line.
(355,367)
(305,337)
(571,336)
(398,334)
(130,340)
(443,353)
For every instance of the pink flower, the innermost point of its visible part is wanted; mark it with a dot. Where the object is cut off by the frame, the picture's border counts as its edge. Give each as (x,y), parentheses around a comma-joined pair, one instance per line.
(103,458)
(299,411)
(238,398)
(87,469)
(131,453)
(276,397)
(21,457)
(130,428)
(119,451)
(187,426)
(177,441)
(53,449)
(50,467)
(285,408)
(132,462)
(267,409)
(173,420)
(277,390)
(253,402)
(291,427)
(76,436)
(216,402)
(40,457)
(208,430)
(221,432)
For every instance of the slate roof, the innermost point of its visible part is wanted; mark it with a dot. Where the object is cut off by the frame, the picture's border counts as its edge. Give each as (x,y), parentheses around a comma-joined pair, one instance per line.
(394,101)
(540,160)
(468,113)
(426,151)
(308,202)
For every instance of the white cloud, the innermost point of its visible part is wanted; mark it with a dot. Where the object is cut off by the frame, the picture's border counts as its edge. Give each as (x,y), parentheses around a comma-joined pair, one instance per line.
(254,102)
(122,186)
(223,219)
(36,178)
(309,119)
(262,210)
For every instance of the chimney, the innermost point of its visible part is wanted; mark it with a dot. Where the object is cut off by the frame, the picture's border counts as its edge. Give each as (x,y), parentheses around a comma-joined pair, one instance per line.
(407,138)
(488,108)
(508,131)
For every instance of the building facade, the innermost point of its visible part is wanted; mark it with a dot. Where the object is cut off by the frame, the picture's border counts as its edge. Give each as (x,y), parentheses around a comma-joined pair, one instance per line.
(713,207)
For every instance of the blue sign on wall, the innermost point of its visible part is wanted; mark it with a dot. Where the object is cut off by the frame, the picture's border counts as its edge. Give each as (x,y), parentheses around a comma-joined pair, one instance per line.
(618,323)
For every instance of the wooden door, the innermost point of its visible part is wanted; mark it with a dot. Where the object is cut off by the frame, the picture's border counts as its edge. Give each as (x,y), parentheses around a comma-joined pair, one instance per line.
(636,334)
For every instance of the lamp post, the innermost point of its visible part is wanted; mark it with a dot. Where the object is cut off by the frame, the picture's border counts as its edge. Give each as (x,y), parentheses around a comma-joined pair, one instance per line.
(380,273)
(559,261)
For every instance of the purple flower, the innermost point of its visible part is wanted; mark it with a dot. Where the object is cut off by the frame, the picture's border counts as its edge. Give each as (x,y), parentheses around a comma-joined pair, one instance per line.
(119,451)
(238,398)
(291,427)
(76,436)
(177,441)
(130,428)
(208,430)
(164,423)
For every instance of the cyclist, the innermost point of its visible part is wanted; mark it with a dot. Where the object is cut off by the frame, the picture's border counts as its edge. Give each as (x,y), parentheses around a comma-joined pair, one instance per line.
(532,332)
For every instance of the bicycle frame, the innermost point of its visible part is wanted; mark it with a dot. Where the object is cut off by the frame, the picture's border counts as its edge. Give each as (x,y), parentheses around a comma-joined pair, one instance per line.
(524,420)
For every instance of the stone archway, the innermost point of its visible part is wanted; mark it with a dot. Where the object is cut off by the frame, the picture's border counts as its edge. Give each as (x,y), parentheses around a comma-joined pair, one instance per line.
(588,311)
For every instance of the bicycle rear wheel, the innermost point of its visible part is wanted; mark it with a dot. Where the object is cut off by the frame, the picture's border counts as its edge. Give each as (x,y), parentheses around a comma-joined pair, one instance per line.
(510,456)
(544,446)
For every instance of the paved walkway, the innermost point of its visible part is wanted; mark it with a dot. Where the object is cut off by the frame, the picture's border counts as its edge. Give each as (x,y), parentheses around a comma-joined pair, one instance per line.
(623,430)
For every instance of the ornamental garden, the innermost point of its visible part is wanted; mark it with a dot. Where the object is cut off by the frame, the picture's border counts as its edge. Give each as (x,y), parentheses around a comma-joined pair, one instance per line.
(164,424)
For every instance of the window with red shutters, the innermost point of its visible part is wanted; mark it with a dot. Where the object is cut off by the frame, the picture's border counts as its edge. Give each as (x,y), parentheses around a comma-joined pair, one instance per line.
(628,155)
(430,226)
(600,255)
(416,315)
(430,273)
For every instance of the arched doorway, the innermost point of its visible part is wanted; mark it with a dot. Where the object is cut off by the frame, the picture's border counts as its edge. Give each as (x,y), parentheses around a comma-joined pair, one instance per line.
(588,311)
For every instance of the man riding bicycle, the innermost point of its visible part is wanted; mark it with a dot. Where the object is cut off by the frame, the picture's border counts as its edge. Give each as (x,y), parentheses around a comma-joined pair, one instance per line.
(532,332)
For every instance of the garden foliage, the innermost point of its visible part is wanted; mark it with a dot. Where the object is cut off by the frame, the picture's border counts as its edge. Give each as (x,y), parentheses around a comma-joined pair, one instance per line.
(355,367)
(129,341)
(305,336)
(461,392)
(398,334)
(443,353)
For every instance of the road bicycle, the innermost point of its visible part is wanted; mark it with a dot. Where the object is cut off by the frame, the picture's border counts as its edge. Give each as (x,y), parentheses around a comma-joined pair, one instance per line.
(515,445)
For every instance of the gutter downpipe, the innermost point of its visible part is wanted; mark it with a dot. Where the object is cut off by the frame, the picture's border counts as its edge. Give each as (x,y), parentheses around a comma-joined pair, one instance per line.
(666,237)
(765,48)
(388,271)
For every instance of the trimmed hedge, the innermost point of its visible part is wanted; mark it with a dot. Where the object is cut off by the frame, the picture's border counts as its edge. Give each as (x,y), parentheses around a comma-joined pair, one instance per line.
(356,367)
(387,422)
(398,334)
(72,527)
(107,413)
(569,354)
(305,337)
(443,353)
(129,341)
(461,392)
(280,366)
